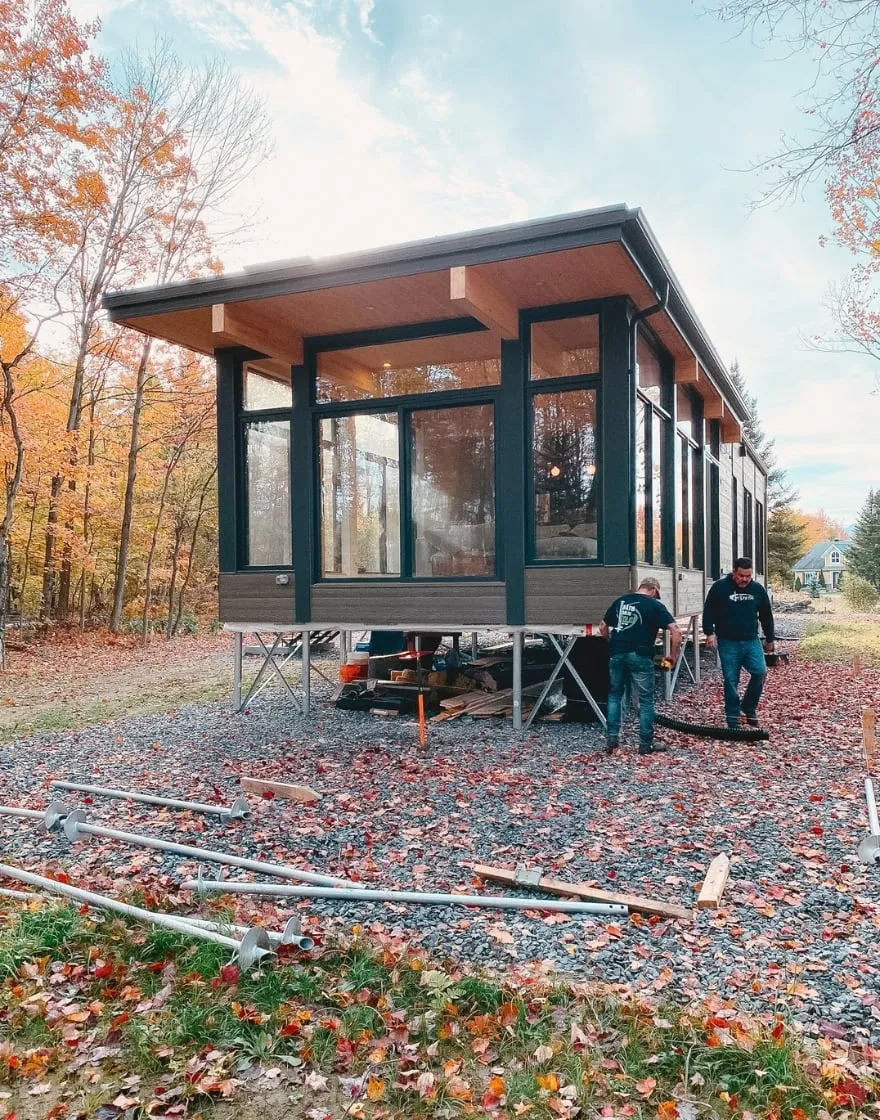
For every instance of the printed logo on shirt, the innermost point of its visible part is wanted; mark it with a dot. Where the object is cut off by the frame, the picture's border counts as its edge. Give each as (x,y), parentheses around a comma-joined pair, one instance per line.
(741,597)
(628,615)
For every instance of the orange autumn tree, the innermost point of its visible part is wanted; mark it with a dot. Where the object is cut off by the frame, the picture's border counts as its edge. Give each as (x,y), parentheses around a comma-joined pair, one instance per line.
(50,93)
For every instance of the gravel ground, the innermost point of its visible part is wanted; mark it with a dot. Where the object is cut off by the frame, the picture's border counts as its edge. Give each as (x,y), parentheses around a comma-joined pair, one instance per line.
(799,928)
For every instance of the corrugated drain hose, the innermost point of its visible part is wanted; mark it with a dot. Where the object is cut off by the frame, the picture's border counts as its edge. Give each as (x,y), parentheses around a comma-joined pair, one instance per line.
(711,731)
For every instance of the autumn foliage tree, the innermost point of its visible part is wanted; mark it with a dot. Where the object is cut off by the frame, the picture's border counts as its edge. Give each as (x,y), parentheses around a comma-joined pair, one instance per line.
(106,441)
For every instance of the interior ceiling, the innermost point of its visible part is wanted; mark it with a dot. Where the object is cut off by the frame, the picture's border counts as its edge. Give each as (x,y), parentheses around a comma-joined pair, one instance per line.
(590,272)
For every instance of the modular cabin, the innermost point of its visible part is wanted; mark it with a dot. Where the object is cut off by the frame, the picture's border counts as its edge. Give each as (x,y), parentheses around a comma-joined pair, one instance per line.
(501,429)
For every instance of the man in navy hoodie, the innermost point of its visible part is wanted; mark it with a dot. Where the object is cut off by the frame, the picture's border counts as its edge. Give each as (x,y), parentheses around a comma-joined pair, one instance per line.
(734,606)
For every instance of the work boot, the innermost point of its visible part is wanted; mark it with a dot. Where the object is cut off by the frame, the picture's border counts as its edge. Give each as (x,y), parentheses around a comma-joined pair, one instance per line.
(751,719)
(652,748)
(611,745)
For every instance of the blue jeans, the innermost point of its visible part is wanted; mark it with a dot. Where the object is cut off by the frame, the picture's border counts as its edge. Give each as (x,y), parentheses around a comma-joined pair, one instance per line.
(736,656)
(635,667)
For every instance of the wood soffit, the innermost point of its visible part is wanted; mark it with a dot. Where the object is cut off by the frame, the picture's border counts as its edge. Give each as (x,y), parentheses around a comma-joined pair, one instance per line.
(493,293)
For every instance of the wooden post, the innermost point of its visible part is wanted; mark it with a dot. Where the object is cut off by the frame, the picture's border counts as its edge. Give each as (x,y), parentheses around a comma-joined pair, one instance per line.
(869,742)
(714,883)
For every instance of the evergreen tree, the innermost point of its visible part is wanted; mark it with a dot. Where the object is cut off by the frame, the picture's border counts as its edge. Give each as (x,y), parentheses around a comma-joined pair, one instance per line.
(864,550)
(786,535)
(781,494)
(786,544)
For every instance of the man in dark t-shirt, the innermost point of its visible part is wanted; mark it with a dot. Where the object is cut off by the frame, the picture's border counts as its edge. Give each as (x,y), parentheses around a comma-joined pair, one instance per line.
(631,624)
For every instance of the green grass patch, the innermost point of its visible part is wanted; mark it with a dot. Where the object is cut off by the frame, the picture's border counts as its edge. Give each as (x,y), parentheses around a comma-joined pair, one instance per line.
(424,1040)
(842,641)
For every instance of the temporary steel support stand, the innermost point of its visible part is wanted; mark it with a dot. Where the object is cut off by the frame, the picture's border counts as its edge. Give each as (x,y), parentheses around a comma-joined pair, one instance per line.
(869,849)
(76,828)
(517,679)
(564,654)
(269,662)
(250,950)
(358,894)
(238,809)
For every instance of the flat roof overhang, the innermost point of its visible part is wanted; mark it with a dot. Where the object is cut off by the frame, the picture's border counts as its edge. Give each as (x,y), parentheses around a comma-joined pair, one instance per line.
(488,274)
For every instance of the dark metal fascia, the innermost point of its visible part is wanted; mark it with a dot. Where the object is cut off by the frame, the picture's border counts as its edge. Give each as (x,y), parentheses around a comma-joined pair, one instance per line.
(570,231)
(639,239)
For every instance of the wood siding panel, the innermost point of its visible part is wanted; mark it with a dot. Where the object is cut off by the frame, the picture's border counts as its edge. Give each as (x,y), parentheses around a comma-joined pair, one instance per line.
(665,577)
(256,597)
(690,593)
(384,604)
(572,596)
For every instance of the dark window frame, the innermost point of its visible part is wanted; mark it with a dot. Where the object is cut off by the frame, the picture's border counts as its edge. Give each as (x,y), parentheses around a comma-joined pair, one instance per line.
(404,405)
(244,418)
(664,554)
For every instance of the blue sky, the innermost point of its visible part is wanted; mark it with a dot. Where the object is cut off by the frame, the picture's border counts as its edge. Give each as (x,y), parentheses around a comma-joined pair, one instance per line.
(399,119)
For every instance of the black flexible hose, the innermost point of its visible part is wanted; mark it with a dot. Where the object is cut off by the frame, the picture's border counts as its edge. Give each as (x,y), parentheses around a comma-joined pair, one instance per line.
(711,731)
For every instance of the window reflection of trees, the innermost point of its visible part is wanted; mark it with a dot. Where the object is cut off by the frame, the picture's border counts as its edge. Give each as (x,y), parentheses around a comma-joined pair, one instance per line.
(360,506)
(566,474)
(453,491)
(267,449)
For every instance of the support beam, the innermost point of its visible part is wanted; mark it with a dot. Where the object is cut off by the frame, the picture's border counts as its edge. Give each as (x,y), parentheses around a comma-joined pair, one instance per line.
(687,370)
(234,326)
(471,294)
(713,408)
(731,429)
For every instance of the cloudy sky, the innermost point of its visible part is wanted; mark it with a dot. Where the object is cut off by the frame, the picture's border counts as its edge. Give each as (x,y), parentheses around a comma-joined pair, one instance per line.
(399,119)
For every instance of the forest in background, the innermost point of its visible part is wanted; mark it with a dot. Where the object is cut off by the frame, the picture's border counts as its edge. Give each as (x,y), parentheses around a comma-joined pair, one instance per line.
(108,179)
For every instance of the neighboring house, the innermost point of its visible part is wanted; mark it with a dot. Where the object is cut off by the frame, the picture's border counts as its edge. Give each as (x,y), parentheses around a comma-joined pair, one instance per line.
(828,557)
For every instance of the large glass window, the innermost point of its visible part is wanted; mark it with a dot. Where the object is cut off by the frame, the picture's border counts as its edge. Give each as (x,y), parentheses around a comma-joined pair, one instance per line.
(748,524)
(643,475)
(649,373)
(262,389)
(682,503)
(565,348)
(735,519)
(566,475)
(453,491)
(360,495)
(658,485)
(421,365)
(267,458)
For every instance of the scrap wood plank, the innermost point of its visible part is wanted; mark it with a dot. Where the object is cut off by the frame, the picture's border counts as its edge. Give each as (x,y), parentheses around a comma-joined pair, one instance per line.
(714,883)
(869,724)
(634,903)
(284,790)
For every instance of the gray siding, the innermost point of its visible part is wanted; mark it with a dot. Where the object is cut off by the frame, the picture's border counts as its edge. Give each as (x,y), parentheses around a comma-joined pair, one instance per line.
(664,577)
(423,604)
(572,596)
(256,597)
(690,593)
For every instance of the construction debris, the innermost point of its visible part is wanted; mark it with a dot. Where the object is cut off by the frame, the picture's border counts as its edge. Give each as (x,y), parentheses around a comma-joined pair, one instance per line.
(250,950)
(536,880)
(283,790)
(238,809)
(714,883)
